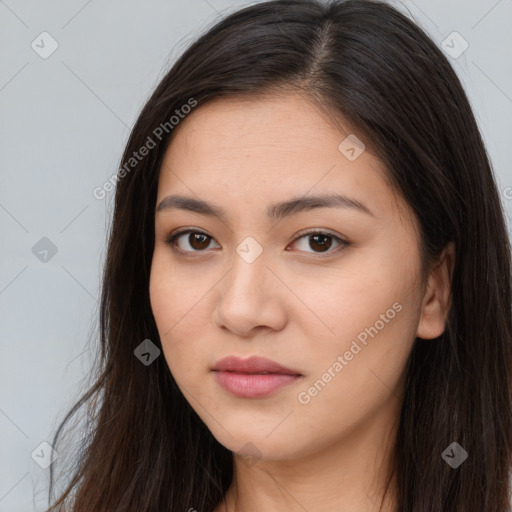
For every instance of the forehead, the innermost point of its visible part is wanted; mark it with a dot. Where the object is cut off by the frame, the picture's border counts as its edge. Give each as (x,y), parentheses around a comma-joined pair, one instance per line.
(280,122)
(268,147)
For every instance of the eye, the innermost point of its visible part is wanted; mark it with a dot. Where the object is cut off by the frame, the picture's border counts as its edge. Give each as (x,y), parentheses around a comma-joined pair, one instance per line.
(321,241)
(198,241)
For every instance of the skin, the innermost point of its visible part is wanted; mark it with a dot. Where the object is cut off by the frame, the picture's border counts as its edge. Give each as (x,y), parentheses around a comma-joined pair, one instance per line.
(294,304)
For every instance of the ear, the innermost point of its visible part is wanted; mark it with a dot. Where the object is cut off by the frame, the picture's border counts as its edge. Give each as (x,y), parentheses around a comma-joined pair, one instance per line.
(437,299)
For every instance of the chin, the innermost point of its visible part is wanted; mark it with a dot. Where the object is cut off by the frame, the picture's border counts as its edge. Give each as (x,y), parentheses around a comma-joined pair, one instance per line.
(249,442)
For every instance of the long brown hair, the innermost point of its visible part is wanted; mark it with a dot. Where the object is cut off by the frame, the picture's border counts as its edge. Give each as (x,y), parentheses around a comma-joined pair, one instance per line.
(144,448)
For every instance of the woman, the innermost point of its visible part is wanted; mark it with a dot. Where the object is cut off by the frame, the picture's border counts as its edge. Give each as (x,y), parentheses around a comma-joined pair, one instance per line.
(306,300)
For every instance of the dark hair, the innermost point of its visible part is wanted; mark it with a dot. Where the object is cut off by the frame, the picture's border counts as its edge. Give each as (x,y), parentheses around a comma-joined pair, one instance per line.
(366,63)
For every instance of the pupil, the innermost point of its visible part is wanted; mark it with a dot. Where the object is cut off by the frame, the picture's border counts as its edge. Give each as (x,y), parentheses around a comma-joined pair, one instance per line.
(323,245)
(198,238)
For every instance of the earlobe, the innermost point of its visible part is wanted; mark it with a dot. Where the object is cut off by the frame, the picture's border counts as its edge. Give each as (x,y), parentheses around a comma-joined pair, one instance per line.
(437,300)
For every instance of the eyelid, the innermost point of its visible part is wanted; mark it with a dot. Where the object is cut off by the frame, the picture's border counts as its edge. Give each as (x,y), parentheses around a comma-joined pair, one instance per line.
(322,231)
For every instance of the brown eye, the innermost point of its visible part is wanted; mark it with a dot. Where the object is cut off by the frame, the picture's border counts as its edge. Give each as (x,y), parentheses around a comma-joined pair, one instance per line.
(316,242)
(196,241)
(320,242)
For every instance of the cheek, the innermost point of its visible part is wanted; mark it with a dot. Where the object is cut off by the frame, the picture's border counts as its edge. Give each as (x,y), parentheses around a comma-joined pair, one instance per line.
(372,312)
(175,295)
(349,380)
(172,300)
(353,297)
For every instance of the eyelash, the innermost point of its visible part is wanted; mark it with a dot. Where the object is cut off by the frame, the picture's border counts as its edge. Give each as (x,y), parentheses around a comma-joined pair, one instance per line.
(171,241)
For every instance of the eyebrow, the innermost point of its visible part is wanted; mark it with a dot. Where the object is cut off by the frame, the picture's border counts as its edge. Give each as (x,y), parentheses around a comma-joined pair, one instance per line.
(275,212)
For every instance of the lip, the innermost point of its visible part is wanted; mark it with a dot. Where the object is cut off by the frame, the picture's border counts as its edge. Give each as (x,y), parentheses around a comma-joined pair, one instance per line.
(246,377)
(253,364)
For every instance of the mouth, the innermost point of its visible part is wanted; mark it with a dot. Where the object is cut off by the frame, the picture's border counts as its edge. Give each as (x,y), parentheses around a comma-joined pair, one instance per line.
(256,373)
(253,385)
(252,365)
(254,377)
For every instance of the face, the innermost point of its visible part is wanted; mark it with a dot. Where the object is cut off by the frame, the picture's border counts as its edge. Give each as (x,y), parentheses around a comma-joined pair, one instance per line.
(330,291)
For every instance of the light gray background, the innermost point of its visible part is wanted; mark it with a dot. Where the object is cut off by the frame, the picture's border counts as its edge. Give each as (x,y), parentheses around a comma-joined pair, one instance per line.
(64,122)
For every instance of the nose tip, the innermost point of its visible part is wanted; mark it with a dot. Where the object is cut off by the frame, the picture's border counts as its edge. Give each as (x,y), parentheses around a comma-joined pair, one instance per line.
(247,298)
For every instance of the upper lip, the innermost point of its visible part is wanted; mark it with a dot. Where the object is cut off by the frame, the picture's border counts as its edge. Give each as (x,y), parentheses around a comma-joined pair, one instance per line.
(253,364)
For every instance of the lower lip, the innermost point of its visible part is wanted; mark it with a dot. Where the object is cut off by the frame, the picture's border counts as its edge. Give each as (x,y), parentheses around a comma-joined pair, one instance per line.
(253,385)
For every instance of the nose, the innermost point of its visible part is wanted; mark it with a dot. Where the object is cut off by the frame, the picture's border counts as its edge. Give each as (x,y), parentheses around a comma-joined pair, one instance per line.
(250,298)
